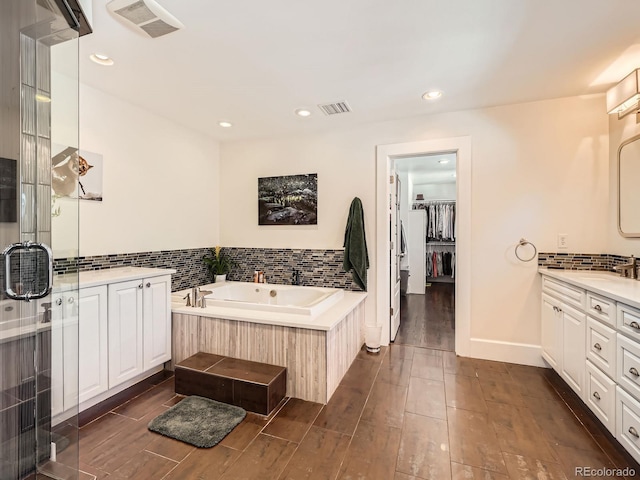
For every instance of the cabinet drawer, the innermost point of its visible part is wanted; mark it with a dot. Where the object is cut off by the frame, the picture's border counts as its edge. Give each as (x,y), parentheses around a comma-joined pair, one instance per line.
(628,422)
(604,309)
(601,346)
(600,396)
(628,320)
(567,293)
(628,368)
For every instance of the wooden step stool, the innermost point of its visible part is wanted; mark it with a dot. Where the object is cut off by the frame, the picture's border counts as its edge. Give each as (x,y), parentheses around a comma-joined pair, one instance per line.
(256,387)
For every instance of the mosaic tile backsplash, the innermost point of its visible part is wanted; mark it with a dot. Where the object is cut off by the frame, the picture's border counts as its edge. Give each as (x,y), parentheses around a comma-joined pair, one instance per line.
(320,268)
(581,261)
(190,270)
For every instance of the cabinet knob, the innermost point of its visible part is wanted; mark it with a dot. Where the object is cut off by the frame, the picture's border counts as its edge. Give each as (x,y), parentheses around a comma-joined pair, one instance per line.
(634,372)
(634,325)
(148,284)
(634,432)
(597,307)
(596,395)
(70,300)
(59,301)
(597,346)
(140,286)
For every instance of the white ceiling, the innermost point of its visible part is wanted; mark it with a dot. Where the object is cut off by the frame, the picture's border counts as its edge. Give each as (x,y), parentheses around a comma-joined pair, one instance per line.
(253,62)
(425,169)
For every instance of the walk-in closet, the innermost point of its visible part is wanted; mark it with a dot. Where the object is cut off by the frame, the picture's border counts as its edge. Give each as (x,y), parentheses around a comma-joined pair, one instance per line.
(428,214)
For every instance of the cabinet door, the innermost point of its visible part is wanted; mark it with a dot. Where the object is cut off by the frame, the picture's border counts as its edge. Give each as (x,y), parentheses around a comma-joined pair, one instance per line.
(93,354)
(551,331)
(57,352)
(70,346)
(573,347)
(125,331)
(157,321)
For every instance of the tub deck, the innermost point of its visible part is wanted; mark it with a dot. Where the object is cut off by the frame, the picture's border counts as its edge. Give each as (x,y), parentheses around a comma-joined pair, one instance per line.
(316,351)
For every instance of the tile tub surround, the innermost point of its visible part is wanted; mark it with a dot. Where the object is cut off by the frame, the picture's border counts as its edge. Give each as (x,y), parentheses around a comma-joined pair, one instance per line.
(318,268)
(581,261)
(316,360)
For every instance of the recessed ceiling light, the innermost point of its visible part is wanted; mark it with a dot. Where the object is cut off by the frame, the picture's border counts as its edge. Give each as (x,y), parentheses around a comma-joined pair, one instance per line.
(432,95)
(101,59)
(225,124)
(444,160)
(303,112)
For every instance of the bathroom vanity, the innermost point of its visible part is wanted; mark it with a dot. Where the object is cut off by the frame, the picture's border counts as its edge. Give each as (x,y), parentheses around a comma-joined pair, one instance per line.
(591,337)
(123,336)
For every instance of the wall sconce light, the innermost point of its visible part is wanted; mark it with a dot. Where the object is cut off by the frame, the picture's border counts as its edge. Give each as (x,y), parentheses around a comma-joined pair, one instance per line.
(624,97)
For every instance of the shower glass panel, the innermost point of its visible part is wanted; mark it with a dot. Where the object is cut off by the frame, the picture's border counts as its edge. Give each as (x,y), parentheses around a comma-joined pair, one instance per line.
(38,310)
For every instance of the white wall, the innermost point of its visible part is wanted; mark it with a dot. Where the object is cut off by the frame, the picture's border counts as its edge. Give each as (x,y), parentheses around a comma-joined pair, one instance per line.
(538,169)
(160,184)
(436,191)
(619,131)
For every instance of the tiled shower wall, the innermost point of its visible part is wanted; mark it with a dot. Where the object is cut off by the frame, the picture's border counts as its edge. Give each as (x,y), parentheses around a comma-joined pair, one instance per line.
(322,268)
(581,261)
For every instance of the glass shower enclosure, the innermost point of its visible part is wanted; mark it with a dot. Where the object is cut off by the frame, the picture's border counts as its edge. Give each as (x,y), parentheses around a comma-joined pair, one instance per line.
(38,223)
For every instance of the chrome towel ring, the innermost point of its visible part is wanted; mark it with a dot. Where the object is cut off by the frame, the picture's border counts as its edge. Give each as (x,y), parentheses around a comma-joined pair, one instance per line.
(523,242)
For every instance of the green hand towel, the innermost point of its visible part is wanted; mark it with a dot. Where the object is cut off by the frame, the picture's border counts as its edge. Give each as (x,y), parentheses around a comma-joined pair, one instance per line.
(356,257)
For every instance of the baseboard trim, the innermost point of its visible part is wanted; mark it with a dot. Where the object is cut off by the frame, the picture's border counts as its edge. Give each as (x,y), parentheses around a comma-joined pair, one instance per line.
(510,352)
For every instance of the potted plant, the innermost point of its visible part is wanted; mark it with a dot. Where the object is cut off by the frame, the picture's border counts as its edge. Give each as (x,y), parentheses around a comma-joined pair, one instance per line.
(218,264)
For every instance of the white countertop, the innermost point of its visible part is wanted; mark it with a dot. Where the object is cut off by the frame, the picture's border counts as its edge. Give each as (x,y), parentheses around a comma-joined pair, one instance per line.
(94,278)
(324,321)
(607,284)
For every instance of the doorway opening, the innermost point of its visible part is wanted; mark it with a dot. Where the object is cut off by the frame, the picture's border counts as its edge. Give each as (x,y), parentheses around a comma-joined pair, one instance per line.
(427,212)
(387,303)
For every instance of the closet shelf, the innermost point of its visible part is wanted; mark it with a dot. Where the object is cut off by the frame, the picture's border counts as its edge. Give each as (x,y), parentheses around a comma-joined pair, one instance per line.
(441,242)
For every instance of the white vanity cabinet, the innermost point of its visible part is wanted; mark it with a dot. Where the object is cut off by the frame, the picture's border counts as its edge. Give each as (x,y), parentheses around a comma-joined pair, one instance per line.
(551,334)
(591,336)
(139,332)
(64,348)
(572,370)
(156,321)
(93,375)
(125,329)
(562,326)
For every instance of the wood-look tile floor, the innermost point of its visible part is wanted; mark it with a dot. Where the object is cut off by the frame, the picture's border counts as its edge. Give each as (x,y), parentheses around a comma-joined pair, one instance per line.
(429,320)
(407,413)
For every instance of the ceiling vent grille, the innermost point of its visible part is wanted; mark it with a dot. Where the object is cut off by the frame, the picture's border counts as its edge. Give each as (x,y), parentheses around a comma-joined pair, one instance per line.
(145,16)
(335,108)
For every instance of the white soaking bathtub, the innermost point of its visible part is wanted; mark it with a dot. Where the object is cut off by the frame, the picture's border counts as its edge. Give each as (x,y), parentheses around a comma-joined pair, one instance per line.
(272,298)
(314,332)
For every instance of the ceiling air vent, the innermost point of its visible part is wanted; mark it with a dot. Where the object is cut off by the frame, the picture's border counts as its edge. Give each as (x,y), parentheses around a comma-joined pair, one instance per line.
(335,108)
(145,16)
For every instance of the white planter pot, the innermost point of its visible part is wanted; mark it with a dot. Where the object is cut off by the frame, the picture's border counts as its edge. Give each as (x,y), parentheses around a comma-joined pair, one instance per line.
(220,278)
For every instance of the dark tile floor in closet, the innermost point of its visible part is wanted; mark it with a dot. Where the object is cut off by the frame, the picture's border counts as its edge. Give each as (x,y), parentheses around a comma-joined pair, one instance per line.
(408,413)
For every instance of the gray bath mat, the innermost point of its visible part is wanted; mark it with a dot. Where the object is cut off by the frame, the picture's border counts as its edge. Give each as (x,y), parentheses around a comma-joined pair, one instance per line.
(198,421)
